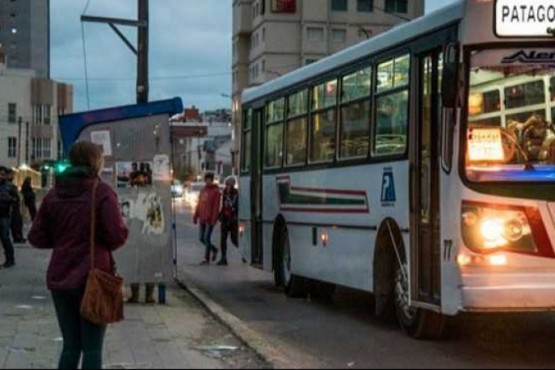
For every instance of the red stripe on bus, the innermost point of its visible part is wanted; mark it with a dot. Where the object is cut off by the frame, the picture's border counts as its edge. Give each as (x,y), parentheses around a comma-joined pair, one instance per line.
(328,210)
(328,191)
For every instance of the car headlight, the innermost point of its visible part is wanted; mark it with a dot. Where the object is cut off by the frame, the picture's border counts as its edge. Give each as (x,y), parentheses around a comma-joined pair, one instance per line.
(488,229)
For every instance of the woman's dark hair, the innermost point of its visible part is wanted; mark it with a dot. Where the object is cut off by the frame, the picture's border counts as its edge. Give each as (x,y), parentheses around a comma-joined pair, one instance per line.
(209,176)
(87,154)
(27,181)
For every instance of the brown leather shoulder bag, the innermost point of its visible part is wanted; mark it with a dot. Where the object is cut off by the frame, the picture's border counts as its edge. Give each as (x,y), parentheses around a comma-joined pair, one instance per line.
(103,300)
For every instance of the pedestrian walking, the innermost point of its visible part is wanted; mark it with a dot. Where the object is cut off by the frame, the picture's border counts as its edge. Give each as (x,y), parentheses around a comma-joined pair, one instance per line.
(16,219)
(207,214)
(63,224)
(7,202)
(229,217)
(29,197)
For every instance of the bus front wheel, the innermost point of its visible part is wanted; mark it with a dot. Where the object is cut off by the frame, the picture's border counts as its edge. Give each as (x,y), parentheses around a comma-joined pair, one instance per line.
(417,323)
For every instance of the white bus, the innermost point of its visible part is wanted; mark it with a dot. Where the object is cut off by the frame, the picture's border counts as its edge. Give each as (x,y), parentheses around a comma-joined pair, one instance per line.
(418,166)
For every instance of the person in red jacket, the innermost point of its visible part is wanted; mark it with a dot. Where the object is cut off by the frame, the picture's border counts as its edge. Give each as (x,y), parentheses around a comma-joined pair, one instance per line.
(63,225)
(207,214)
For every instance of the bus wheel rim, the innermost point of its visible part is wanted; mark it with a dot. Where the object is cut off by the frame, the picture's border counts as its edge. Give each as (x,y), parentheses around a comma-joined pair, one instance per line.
(402,293)
(287,263)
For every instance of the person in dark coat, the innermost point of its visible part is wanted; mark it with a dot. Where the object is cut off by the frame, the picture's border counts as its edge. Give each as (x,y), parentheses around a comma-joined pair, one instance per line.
(63,224)
(229,217)
(16,219)
(29,198)
(7,201)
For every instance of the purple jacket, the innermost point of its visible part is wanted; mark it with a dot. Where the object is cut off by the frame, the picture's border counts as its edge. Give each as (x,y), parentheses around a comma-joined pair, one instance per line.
(63,224)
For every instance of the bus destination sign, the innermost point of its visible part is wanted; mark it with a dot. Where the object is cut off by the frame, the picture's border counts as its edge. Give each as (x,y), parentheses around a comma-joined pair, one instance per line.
(525,18)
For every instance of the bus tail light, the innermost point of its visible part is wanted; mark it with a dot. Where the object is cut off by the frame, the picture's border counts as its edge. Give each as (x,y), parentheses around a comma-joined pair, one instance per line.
(241,230)
(489,228)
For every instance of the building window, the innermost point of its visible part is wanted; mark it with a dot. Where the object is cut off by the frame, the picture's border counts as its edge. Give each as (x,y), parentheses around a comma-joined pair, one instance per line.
(339,35)
(42,148)
(12,147)
(47,114)
(339,5)
(396,6)
(12,113)
(284,6)
(315,33)
(365,6)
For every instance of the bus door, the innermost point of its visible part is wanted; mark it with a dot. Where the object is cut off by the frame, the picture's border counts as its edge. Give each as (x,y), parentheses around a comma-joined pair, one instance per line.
(256,187)
(425,181)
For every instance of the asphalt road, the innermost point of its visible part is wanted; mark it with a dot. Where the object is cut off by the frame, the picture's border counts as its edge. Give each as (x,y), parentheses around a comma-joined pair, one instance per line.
(344,333)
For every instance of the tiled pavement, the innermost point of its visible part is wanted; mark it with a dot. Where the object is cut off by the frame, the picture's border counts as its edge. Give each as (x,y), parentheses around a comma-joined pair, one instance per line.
(180,335)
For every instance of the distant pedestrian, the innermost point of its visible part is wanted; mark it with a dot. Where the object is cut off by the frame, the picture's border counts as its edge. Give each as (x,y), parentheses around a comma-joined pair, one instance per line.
(29,197)
(16,219)
(63,224)
(207,214)
(229,217)
(7,202)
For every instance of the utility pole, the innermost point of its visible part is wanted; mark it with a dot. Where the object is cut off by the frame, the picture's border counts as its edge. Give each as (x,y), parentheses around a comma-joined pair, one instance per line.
(142,65)
(142,25)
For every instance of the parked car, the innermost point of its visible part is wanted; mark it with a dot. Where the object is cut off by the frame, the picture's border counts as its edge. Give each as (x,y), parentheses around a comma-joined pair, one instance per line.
(178,190)
(193,193)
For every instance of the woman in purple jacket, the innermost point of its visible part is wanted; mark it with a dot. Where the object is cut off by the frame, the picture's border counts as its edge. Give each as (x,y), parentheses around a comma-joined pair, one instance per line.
(63,225)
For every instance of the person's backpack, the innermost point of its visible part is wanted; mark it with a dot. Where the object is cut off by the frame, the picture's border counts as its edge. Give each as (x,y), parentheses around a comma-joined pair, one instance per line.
(6,198)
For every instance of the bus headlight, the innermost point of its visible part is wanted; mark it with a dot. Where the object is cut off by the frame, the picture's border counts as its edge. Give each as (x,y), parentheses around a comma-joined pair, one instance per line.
(487,229)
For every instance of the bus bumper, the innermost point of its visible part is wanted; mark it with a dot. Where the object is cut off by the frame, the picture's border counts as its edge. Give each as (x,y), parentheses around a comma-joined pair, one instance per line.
(508,292)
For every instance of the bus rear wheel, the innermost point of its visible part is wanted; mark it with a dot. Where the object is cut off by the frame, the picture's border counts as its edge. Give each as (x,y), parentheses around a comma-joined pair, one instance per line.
(416,323)
(295,286)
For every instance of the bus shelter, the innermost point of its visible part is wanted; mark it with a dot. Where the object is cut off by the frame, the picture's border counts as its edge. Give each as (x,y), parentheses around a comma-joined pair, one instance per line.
(138,165)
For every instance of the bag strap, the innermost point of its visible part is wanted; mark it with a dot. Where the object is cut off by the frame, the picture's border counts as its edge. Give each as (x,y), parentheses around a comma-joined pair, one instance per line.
(93,221)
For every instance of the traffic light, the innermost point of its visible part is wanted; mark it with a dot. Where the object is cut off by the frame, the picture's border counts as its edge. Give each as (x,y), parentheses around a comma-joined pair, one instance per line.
(61,167)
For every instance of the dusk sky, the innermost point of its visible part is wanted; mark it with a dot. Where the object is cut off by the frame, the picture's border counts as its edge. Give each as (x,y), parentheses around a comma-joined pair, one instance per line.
(190,53)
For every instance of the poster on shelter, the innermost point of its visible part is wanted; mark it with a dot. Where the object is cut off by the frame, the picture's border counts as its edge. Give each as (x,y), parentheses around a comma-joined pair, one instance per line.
(103,138)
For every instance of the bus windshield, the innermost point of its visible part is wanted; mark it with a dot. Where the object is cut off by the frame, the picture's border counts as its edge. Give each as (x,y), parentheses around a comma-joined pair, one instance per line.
(510,135)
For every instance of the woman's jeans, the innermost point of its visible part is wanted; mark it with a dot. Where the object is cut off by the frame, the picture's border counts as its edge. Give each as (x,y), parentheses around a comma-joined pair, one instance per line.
(80,336)
(206,239)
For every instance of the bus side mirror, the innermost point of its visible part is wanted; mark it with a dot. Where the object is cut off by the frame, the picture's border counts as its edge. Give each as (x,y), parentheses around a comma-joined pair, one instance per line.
(450,78)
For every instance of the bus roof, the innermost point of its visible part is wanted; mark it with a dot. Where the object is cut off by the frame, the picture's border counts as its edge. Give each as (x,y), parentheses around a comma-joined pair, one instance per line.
(395,36)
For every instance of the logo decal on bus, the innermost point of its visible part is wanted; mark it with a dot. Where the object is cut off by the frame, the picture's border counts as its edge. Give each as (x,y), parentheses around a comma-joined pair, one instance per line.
(389,196)
(530,57)
(318,200)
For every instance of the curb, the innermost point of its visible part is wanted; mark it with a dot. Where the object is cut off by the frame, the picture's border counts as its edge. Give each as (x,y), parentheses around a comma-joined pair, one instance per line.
(257,342)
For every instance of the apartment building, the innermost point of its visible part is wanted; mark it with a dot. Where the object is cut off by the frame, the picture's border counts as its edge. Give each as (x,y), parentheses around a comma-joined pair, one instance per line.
(274,37)
(29,109)
(25,35)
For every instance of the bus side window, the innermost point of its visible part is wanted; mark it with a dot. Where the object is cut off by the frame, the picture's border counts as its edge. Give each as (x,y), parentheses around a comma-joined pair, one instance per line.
(296,129)
(392,108)
(354,120)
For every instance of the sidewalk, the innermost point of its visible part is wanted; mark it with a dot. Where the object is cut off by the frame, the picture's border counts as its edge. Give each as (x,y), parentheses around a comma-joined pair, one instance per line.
(180,335)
